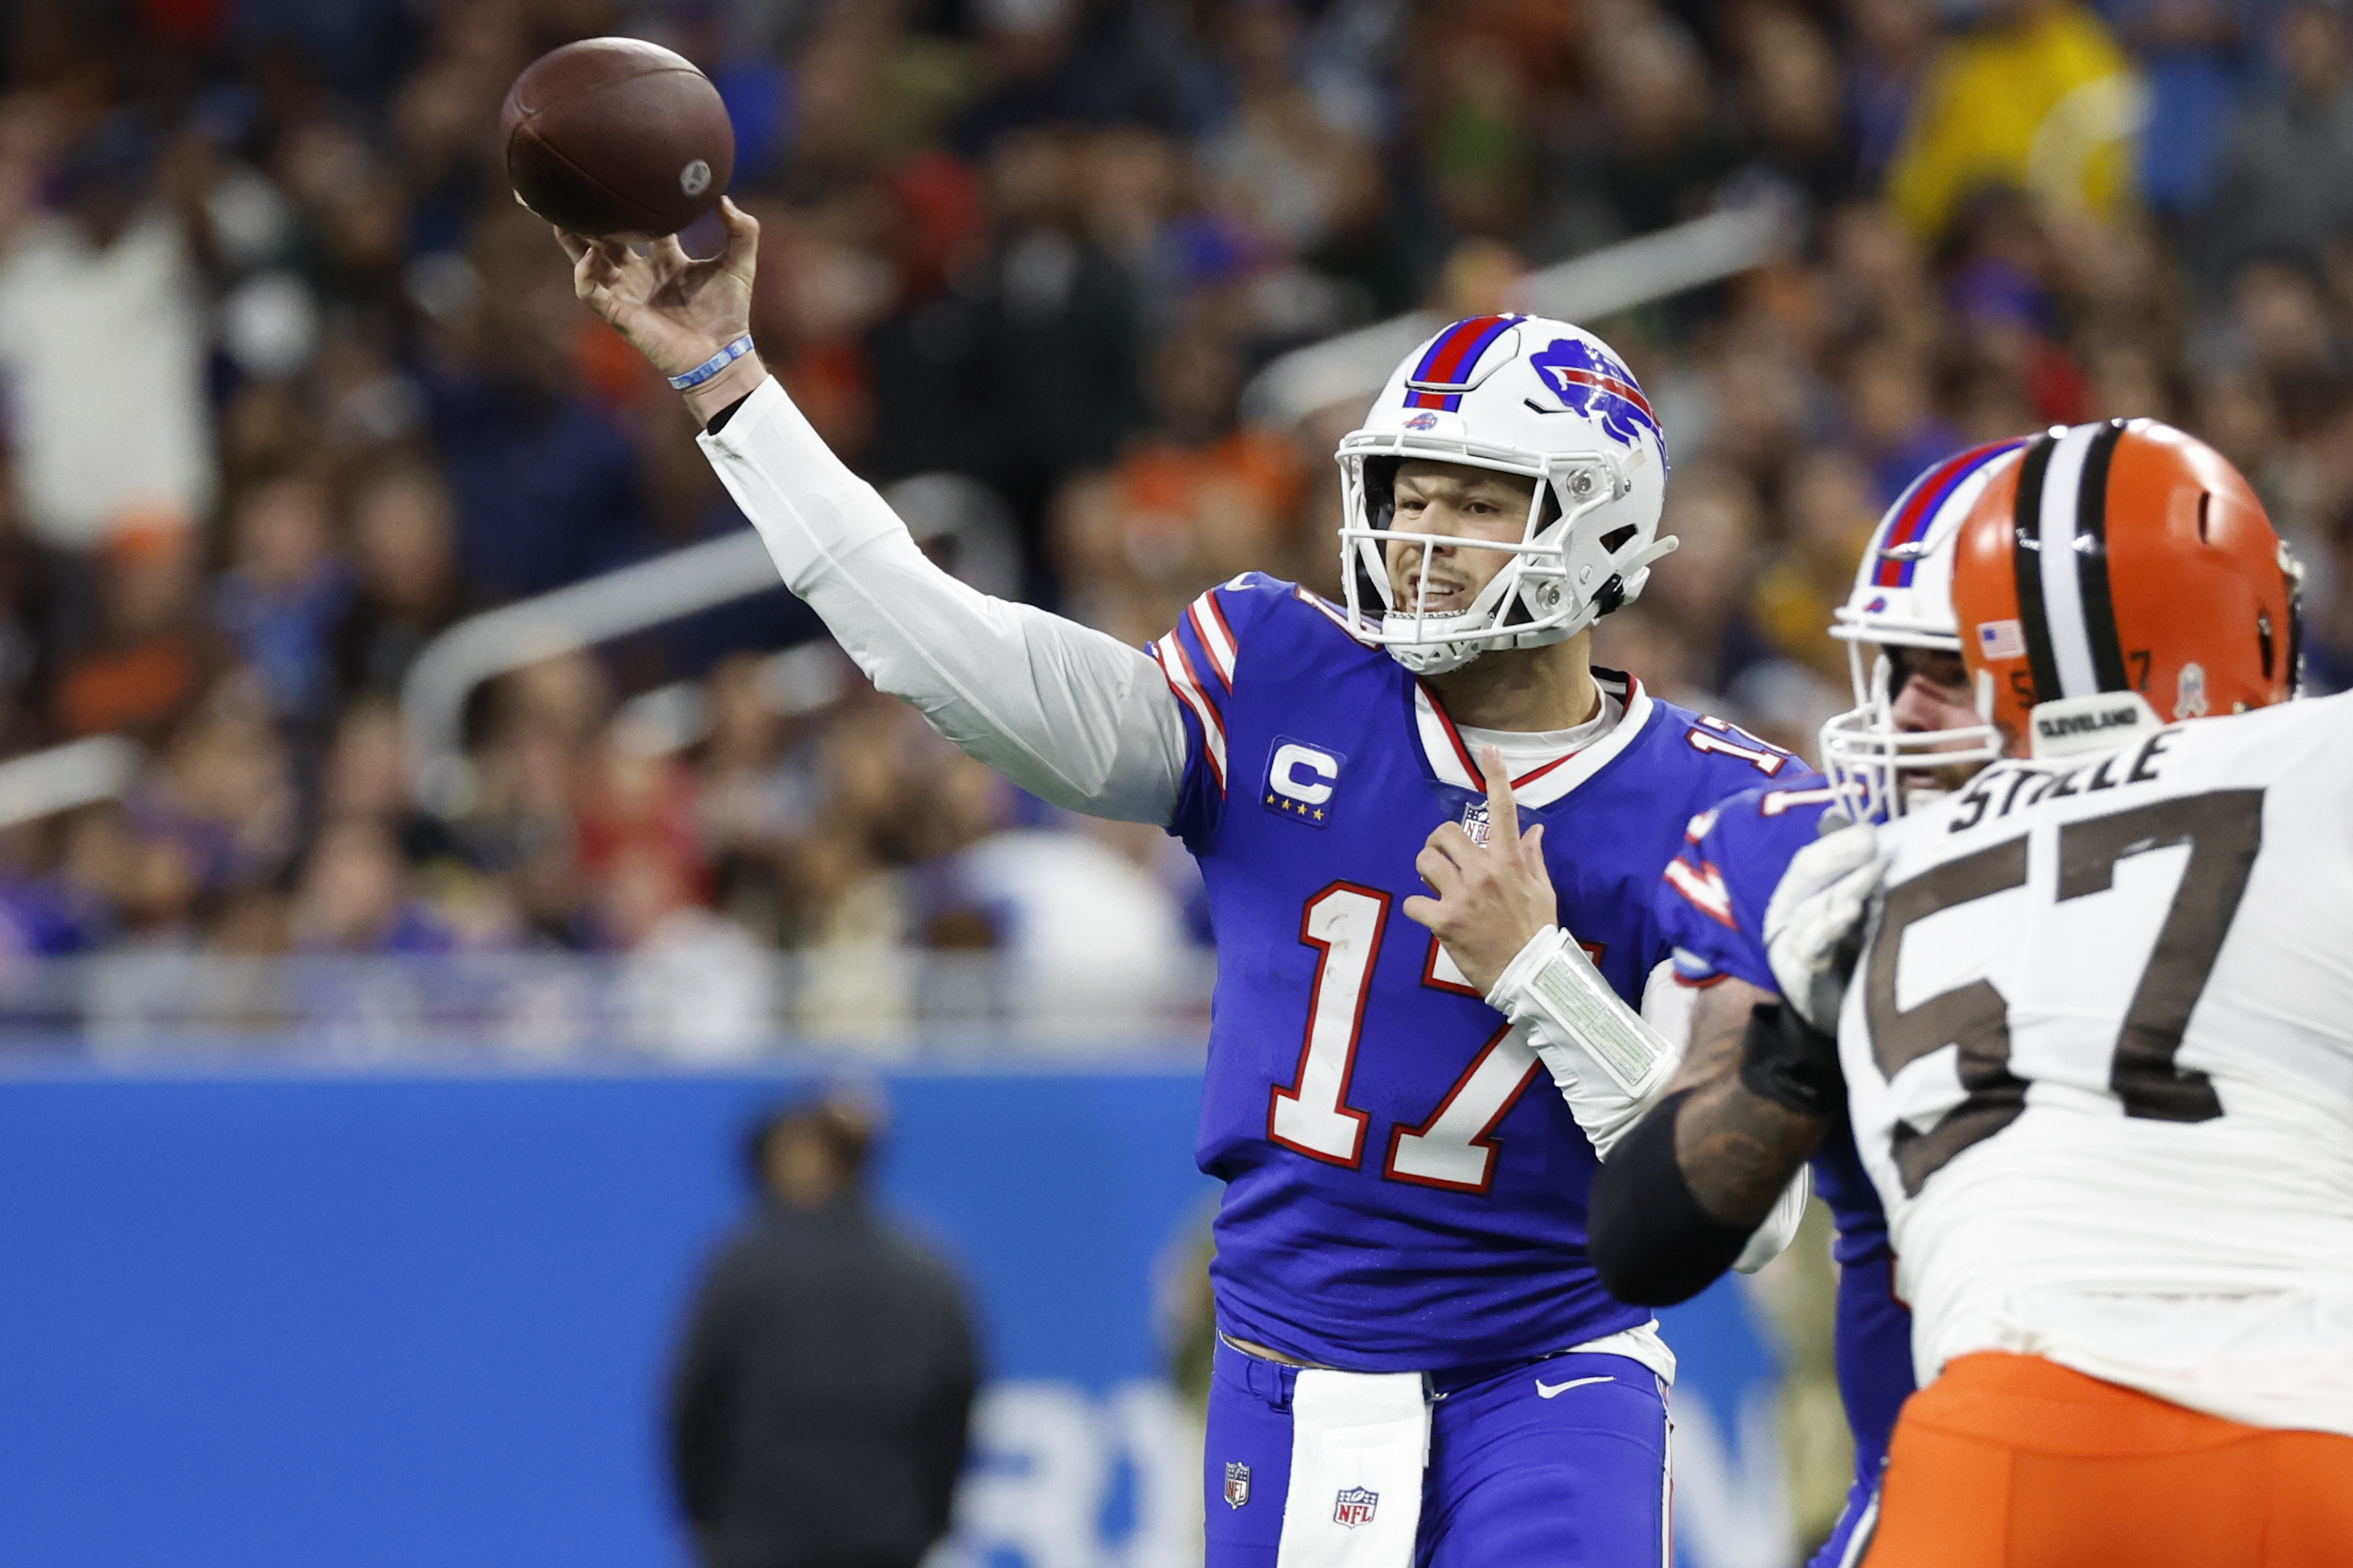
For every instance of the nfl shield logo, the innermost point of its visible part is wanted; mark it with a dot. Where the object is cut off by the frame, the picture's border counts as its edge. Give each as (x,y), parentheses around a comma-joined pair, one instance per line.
(1474,822)
(1355,1507)
(1237,1483)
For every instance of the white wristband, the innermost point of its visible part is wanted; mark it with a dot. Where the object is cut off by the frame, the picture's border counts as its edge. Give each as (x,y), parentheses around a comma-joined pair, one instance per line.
(1552,983)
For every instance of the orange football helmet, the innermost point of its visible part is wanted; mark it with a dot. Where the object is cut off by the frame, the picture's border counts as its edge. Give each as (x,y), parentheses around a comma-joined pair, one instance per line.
(2124,557)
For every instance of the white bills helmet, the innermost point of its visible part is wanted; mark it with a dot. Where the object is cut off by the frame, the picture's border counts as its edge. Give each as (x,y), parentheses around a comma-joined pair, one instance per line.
(1520,394)
(1903,598)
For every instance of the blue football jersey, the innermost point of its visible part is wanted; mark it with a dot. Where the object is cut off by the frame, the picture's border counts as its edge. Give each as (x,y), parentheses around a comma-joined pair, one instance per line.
(1405,1190)
(1712,903)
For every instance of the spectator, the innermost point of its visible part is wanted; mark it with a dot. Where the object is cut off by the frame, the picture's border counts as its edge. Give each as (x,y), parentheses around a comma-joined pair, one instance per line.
(1896,420)
(151,658)
(283,593)
(1714,512)
(545,487)
(2035,97)
(223,803)
(109,281)
(407,589)
(1894,41)
(355,898)
(1827,510)
(2192,53)
(820,1401)
(2286,180)
(1667,143)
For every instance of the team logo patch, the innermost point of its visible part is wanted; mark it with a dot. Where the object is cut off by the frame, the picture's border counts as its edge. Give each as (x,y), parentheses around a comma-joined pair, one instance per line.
(1422,421)
(1301,780)
(1589,380)
(1237,1483)
(2001,640)
(1354,1506)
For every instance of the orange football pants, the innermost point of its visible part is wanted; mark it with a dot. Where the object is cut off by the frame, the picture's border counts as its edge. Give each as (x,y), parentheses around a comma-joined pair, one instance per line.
(2011,1461)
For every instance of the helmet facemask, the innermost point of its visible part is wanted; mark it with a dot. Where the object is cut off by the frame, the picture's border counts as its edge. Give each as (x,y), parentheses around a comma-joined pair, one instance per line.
(1900,608)
(1565,570)
(1887,769)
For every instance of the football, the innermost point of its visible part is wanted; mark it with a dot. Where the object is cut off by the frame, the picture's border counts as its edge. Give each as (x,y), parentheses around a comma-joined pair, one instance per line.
(617,137)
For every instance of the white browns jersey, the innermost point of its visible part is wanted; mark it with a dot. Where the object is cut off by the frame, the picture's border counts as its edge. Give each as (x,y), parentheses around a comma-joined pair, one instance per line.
(2099,1052)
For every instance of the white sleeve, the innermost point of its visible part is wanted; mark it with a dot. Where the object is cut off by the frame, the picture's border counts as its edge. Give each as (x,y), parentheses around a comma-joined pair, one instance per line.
(1610,1062)
(1779,1228)
(1069,713)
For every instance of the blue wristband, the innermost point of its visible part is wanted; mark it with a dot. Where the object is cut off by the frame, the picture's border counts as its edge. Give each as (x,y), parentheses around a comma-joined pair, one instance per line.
(714,364)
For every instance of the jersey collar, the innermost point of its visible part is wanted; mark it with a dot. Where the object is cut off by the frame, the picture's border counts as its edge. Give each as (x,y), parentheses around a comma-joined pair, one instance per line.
(1451,759)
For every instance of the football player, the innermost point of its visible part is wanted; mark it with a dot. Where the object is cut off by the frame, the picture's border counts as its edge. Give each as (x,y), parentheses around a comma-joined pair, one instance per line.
(1914,731)
(1416,1361)
(2099,1063)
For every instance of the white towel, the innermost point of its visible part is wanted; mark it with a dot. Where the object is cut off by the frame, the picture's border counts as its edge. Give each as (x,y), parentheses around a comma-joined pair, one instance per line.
(1358,1444)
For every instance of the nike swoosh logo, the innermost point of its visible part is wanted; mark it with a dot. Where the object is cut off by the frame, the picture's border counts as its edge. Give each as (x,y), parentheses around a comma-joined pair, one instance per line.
(1547,1390)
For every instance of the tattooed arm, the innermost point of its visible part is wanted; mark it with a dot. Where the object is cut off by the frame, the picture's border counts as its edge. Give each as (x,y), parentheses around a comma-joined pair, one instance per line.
(1737,1149)
(1683,1193)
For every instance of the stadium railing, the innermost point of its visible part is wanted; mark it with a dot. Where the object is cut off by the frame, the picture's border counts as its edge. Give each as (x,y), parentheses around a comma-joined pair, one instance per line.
(664,1002)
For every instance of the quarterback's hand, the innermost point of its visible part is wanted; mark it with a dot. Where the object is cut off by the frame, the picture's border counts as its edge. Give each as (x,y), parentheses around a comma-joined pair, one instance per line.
(1813,926)
(1492,898)
(674,309)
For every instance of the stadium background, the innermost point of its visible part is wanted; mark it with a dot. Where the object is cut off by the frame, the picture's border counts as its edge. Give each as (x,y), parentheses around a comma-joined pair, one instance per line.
(375,1043)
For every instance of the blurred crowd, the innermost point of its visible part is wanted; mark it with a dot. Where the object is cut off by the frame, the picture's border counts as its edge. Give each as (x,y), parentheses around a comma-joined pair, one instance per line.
(292,384)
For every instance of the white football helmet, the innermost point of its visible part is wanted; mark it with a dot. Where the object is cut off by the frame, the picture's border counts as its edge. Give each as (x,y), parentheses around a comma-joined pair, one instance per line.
(1521,394)
(1903,598)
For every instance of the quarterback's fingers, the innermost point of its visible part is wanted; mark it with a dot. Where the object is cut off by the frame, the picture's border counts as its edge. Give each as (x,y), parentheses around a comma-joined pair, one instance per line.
(1440,872)
(574,246)
(669,256)
(743,238)
(587,284)
(621,263)
(1448,839)
(1503,812)
(1422,909)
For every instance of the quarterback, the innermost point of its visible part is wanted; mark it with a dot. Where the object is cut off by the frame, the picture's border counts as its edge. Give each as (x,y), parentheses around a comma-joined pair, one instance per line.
(2096,1057)
(1417,1361)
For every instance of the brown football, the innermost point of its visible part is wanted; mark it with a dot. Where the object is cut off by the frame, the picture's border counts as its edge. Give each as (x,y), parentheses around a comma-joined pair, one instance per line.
(616,136)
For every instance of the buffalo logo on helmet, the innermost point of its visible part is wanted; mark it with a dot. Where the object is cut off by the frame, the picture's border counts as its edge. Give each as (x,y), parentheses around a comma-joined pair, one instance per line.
(1591,381)
(1425,420)
(1354,1506)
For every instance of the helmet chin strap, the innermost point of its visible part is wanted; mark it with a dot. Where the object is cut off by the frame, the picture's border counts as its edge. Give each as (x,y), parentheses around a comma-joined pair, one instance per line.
(1442,654)
(1441,657)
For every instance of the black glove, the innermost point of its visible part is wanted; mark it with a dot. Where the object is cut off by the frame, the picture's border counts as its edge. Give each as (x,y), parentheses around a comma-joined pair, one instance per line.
(1787,1060)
